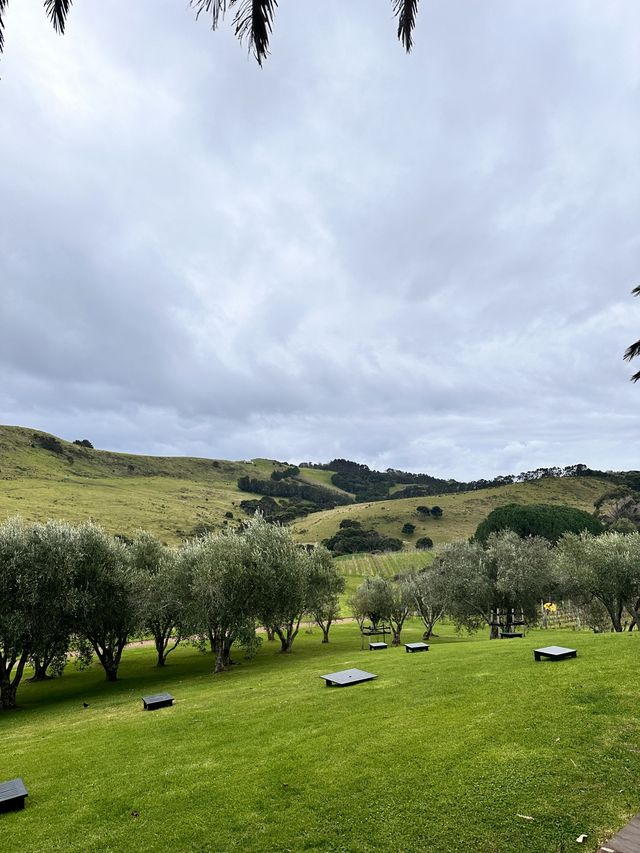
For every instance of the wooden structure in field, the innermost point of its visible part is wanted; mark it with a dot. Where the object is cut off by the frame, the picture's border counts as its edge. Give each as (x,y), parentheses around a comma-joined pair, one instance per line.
(376,629)
(506,623)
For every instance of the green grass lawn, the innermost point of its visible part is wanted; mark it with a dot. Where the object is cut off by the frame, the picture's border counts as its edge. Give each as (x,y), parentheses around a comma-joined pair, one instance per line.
(442,752)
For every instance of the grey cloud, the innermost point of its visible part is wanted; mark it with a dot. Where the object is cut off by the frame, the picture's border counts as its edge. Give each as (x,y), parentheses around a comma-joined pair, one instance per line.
(420,262)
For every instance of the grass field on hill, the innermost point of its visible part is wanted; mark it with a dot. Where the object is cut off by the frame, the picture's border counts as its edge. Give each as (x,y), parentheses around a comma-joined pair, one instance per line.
(445,751)
(462,512)
(167,495)
(170,496)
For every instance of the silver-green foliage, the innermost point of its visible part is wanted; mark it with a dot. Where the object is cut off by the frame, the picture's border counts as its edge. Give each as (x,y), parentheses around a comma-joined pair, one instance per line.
(478,581)
(108,607)
(605,568)
(36,598)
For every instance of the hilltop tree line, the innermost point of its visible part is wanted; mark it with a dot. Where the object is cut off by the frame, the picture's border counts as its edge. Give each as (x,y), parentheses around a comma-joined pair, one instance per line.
(301,498)
(369,485)
(68,589)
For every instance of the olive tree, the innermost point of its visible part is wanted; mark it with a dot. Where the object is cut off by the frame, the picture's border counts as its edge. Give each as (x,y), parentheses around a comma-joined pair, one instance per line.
(17,587)
(605,568)
(324,586)
(278,570)
(108,607)
(36,599)
(480,581)
(428,597)
(222,599)
(371,600)
(53,548)
(163,589)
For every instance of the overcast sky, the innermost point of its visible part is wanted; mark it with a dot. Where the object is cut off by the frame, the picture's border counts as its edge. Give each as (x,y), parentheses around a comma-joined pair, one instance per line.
(417,261)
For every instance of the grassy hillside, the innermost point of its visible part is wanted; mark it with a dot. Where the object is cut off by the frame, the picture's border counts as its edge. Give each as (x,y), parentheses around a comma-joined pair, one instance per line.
(167,495)
(470,747)
(319,477)
(171,495)
(462,512)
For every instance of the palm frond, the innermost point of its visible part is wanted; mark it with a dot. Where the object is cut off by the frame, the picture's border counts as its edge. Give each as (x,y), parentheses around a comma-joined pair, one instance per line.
(632,352)
(215,8)
(406,12)
(57,11)
(3,6)
(254,22)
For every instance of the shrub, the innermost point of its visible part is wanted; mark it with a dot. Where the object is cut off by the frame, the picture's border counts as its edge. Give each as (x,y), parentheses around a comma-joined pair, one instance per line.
(550,522)
(83,442)
(408,528)
(48,442)
(425,543)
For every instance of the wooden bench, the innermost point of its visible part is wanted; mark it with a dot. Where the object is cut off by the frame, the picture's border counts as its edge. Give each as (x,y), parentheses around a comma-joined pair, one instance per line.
(346,677)
(374,647)
(416,647)
(158,700)
(12,794)
(554,653)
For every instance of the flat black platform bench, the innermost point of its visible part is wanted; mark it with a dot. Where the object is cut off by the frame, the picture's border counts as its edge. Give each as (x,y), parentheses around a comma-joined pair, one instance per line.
(554,653)
(373,647)
(509,635)
(12,794)
(346,677)
(417,647)
(158,700)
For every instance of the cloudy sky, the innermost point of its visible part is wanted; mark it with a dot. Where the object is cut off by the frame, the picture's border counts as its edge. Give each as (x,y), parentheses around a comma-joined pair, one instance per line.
(417,261)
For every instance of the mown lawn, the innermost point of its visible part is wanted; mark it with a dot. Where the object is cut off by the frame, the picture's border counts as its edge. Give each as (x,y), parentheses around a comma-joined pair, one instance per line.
(442,752)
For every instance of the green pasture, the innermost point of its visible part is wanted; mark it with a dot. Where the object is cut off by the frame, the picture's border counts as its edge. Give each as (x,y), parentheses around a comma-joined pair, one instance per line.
(319,477)
(469,747)
(168,496)
(462,512)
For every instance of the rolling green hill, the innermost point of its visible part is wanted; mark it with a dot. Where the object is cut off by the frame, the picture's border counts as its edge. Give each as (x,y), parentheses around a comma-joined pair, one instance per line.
(462,512)
(167,495)
(171,496)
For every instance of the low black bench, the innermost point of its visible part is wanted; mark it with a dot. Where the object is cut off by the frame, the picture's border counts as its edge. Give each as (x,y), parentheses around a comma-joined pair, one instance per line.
(374,647)
(346,677)
(158,700)
(417,647)
(12,794)
(509,635)
(554,653)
